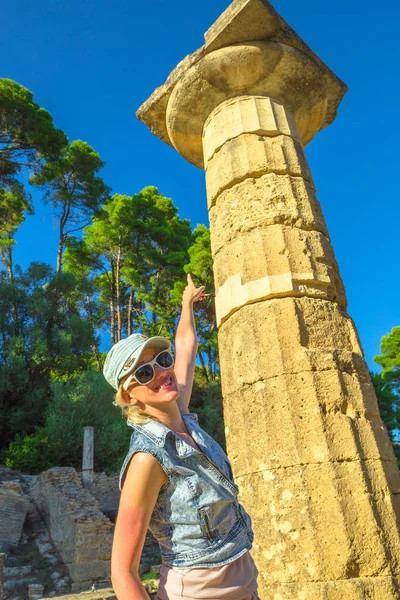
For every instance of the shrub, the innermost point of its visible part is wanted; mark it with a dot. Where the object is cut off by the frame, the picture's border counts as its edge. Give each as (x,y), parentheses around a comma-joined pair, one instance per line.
(76,403)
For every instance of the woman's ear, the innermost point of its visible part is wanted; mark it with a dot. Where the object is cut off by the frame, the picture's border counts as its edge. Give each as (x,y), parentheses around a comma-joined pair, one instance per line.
(127,397)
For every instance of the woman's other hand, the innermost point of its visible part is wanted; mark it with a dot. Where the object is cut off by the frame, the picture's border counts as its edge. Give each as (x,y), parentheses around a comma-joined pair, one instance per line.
(191,293)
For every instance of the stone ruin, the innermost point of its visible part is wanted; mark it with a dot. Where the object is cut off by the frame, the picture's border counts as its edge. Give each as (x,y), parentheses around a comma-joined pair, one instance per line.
(312,457)
(79,529)
(56,536)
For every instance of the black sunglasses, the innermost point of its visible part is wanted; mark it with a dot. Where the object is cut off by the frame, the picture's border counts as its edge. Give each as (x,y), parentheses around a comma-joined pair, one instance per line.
(146,373)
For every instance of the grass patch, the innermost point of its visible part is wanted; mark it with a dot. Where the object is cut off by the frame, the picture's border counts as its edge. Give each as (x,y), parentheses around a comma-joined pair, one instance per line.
(148,576)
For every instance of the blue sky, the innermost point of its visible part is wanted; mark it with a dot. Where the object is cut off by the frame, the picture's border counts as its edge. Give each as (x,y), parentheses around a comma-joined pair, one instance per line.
(92,63)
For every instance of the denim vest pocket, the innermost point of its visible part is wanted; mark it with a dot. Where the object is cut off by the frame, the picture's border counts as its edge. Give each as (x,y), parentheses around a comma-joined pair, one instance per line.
(205,523)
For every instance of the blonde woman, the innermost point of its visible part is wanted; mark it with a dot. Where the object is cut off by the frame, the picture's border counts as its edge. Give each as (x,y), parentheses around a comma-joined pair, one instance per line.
(175,480)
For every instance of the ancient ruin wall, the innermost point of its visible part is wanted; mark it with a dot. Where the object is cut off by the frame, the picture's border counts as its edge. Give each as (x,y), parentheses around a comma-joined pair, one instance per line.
(81,532)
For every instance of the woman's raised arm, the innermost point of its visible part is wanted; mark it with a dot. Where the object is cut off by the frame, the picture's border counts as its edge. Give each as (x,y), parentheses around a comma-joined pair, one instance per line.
(186,344)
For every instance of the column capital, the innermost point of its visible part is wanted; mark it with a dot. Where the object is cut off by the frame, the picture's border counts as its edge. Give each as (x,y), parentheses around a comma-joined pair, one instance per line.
(249,50)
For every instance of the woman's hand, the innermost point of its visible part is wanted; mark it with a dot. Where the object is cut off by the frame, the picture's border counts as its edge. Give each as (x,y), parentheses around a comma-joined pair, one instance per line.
(191,293)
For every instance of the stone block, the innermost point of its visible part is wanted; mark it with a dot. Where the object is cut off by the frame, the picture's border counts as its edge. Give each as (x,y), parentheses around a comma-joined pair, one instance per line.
(356,588)
(246,114)
(11,584)
(79,529)
(252,156)
(35,590)
(2,572)
(320,522)
(274,262)
(13,510)
(18,571)
(308,417)
(287,335)
(102,538)
(93,570)
(106,490)
(93,553)
(267,200)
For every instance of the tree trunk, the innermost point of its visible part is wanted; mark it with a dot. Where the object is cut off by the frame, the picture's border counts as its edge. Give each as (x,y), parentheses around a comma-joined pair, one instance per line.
(155,301)
(130,313)
(8,261)
(97,357)
(203,366)
(118,294)
(89,313)
(210,365)
(112,306)
(61,242)
(59,254)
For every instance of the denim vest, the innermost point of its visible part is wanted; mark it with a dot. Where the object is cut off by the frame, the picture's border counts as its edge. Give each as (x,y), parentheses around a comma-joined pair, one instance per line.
(197,519)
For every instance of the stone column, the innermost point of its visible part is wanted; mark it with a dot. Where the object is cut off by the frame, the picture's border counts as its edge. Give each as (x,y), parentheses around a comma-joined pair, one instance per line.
(310,453)
(87,458)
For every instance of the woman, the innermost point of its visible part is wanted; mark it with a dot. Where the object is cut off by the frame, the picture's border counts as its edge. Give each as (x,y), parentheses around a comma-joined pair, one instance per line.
(175,479)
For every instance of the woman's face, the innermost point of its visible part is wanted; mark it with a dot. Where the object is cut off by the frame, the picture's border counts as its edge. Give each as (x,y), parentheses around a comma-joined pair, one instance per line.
(157,390)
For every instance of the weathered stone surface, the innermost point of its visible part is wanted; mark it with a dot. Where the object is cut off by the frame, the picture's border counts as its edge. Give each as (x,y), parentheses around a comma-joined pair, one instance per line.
(251,114)
(249,20)
(88,458)
(11,584)
(266,200)
(322,415)
(104,594)
(2,572)
(92,570)
(18,571)
(301,334)
(357,588)
(322,522)
(35,591)
(223,62)
(97,552)
(13,510)
(276,261)
(81,532)
(251,156)
(106,491)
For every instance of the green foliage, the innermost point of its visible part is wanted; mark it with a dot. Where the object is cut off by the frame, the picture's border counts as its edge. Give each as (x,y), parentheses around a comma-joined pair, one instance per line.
(150,576)
(14,202)
(388,403)
(30,453)
(387,384)
(83,401)
(73,188)
(135,250)
(53,341)
(27,132)
(200,266)
(389,359)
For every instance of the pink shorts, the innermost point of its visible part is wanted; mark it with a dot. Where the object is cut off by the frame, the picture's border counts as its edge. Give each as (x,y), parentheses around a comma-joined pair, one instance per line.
(253,596)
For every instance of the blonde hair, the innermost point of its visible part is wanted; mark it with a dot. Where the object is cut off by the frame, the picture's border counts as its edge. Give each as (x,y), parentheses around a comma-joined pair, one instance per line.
(134,412)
